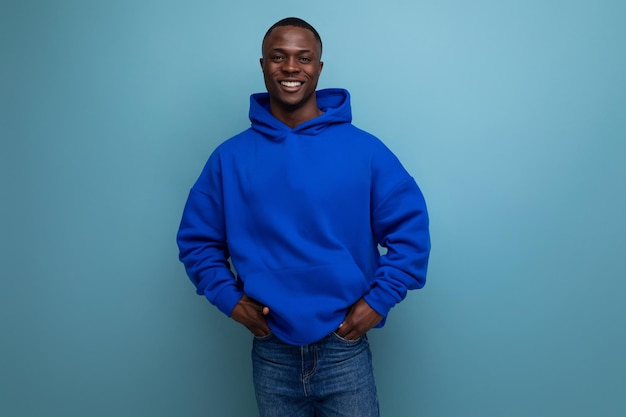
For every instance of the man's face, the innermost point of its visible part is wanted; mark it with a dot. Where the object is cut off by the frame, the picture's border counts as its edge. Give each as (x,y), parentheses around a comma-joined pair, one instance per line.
(291,67)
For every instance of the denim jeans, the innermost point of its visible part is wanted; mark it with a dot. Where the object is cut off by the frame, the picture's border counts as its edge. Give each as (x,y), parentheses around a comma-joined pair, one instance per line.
(329,378)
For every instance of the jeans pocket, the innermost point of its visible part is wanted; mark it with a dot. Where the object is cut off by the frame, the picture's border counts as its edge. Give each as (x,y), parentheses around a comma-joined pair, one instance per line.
(346,341)
(263,338)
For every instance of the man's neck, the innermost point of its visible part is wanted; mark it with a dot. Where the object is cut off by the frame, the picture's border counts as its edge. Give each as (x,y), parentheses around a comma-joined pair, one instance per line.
(295,117)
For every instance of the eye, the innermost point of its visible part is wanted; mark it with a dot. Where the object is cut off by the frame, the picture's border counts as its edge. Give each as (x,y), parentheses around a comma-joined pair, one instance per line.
(305,60)
(277,58)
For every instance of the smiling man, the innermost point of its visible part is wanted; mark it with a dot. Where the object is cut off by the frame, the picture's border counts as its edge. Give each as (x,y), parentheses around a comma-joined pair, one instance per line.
(291,66)
(299,203)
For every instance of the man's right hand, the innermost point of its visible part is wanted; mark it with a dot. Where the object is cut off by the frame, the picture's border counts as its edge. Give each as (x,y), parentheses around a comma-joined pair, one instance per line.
(252,314)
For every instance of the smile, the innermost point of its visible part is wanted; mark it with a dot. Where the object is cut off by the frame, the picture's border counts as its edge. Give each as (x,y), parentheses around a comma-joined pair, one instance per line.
(291,83)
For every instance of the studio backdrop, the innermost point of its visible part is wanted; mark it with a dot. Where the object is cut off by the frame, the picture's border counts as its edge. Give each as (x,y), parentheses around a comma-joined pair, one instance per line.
(511,115)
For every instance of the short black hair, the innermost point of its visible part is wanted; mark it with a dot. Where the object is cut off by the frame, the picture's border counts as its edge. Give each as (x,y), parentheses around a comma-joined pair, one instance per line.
(297,22)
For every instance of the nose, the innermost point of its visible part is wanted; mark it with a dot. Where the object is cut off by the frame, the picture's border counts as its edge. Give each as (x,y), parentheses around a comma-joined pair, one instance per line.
(290,65)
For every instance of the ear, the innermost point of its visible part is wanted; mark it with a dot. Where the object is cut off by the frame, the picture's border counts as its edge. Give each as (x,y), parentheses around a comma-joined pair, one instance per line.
(261,62)
(321,66)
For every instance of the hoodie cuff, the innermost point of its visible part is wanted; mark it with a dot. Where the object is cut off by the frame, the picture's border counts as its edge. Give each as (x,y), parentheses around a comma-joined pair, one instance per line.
(227,299)
(377,300)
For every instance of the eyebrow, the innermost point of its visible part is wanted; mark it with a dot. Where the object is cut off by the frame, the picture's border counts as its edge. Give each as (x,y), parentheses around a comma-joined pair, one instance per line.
(299,51)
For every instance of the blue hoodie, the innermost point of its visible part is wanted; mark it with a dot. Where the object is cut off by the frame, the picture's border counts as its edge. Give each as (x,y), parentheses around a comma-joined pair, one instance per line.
(300,213)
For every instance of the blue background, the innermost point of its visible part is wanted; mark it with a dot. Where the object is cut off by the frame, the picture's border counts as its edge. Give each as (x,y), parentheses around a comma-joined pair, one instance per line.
(510,114)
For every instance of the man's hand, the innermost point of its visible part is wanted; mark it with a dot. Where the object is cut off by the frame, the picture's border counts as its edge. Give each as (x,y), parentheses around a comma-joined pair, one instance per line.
(251,314)
(361,317)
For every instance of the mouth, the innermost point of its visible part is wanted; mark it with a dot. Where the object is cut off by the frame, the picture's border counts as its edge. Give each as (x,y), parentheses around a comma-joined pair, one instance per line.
(291,84)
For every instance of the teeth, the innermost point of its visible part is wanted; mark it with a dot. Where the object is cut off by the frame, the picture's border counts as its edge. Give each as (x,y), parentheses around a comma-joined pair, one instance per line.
(291,83)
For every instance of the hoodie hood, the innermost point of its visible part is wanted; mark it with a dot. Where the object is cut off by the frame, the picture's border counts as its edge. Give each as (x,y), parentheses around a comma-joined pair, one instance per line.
(334,102)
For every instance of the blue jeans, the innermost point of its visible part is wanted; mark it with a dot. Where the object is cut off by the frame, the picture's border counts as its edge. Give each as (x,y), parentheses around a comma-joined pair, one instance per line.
(329,378)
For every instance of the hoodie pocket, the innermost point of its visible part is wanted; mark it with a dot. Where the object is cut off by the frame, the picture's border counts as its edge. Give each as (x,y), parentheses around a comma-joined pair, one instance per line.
(307,300)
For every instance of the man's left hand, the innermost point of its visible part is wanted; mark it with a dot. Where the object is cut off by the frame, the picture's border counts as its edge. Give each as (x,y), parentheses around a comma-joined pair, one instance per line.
(361,317)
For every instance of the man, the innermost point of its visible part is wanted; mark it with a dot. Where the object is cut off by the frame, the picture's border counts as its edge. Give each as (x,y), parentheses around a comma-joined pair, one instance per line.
(299,202)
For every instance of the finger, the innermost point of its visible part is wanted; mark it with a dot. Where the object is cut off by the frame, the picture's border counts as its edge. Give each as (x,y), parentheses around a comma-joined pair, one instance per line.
(259,327)
(345,331)
(351,336)
(265,330)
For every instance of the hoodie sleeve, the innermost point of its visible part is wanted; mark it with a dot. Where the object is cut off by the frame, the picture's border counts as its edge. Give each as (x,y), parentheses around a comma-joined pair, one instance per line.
(399,224)
(202,241)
